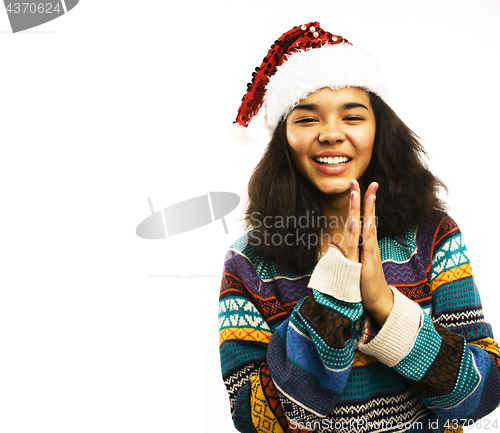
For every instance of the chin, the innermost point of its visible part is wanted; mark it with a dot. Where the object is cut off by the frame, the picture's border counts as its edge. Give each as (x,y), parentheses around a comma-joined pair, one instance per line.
(337,188)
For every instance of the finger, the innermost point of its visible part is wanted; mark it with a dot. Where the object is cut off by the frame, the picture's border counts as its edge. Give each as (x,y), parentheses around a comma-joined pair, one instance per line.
(348,222)
(355,206)
(369,204)
(369,225)
(354,185)
(351,226)
(372,189)
(352,252)
(375,186)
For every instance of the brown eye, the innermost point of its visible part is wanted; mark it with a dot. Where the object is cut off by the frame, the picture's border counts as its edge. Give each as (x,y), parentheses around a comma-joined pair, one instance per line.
(305,120)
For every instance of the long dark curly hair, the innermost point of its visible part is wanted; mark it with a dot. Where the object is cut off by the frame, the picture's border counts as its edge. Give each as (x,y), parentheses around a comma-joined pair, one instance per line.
(277,192)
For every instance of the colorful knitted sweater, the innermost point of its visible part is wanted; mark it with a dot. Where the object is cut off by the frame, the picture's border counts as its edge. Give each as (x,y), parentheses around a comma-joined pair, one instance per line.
(299,354)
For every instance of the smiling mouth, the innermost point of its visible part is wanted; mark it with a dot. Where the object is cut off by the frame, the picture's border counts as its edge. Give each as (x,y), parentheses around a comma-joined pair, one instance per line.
(332,161)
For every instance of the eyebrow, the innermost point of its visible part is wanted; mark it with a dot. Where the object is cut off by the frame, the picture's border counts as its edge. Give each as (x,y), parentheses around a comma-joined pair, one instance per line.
(350,105)
(310,107)
(314,107)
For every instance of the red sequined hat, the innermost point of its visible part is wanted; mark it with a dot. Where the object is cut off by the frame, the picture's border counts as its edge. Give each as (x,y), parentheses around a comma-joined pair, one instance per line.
(301,61)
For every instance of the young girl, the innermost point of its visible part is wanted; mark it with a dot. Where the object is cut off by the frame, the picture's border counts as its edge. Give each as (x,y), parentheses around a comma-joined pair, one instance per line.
(350,304)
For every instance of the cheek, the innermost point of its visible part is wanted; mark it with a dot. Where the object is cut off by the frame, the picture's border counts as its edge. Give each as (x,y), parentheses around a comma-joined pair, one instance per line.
(298,151)
(299,143)
(364,144)
(295,143)
(297,158)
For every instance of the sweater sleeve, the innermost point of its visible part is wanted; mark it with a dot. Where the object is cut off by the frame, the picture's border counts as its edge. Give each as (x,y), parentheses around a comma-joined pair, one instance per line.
(450,356)
(292,376)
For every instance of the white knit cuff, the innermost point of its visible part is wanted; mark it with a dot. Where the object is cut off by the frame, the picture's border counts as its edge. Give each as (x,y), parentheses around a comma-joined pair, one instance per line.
(397,336)
(337,276)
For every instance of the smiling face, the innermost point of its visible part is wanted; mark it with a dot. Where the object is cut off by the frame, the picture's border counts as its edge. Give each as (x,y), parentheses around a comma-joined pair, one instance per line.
(331,135)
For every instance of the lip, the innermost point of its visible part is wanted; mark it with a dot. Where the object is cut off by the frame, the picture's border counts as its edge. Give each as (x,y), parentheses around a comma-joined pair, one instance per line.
(339,169)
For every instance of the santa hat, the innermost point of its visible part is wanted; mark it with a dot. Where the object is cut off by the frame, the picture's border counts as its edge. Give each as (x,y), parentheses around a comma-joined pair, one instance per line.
(302,61)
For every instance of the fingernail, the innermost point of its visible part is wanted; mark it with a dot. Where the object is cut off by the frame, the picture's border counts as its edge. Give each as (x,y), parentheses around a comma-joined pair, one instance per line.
(352,196)
(374,199)
(376,188)
(371,225)
(351,185)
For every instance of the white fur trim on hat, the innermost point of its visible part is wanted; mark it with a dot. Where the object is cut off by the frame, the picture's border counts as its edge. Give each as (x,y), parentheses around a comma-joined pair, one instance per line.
(304,72)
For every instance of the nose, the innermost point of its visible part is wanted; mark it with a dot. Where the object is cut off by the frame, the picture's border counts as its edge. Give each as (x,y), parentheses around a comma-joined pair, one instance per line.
(332,132)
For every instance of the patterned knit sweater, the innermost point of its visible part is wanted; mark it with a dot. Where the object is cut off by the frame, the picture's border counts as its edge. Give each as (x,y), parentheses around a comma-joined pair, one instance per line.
(299,354)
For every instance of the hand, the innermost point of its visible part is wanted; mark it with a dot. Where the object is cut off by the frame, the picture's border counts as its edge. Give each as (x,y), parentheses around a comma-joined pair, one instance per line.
(377,297)
(352,228)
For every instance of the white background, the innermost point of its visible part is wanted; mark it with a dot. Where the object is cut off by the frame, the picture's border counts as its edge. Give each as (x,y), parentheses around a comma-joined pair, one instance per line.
(118,101)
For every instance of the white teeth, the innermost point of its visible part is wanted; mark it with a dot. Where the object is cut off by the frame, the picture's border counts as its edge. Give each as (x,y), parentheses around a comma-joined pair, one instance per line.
(332,160)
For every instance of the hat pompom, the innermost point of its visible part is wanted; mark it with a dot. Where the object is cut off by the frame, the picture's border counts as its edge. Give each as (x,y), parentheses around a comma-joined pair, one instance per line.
(240,134)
